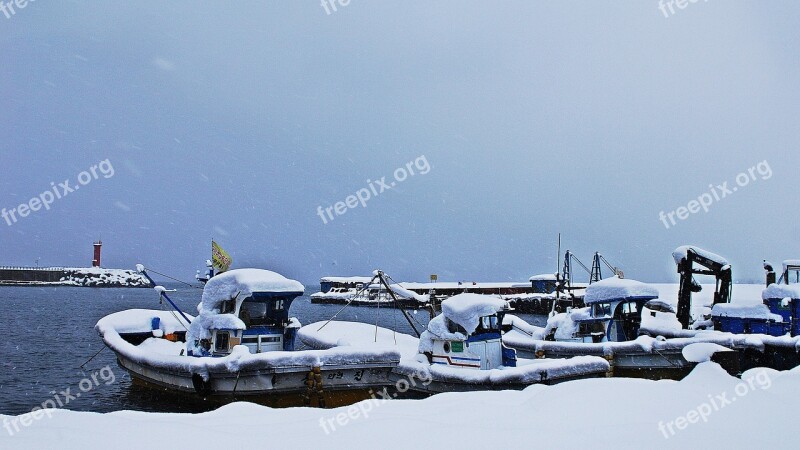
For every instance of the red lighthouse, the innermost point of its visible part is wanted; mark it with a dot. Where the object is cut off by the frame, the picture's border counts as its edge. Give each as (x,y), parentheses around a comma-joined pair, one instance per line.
(98,246)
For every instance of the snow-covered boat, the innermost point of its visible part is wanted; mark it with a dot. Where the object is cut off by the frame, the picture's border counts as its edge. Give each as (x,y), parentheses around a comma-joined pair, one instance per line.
(461,350)
(241,344)
(338,289)
(626,323)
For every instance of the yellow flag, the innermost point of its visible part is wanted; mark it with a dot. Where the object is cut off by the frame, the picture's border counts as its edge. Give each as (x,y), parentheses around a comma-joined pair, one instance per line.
(221,259)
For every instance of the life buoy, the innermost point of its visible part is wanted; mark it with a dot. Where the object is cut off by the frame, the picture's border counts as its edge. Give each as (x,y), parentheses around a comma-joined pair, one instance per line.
(201,386)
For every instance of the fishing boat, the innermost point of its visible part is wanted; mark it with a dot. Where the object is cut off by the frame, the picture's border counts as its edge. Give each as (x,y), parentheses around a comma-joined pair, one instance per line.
(338,289)
(241,345)
(460,350)
(641,335)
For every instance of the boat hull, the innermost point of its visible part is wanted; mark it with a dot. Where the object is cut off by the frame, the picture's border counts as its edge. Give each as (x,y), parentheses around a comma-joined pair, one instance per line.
(341,385)
(260,382)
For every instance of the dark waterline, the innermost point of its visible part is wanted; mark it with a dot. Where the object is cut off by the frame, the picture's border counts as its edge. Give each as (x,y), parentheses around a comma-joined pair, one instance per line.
(49,334)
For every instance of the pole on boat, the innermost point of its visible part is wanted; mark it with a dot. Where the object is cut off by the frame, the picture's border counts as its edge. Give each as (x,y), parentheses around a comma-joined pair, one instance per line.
(558,268)
(396,303)
(162,292)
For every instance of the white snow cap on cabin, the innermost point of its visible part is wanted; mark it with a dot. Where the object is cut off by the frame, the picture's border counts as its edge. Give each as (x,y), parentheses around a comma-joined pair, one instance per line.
(615,288)
(466,309)
(759,311)
(790,262)
(242,283)
(681,253)
(781,291)
(544,277)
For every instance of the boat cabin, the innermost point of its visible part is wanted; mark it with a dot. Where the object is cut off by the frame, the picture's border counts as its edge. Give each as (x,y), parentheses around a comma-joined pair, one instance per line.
(614,310)
(544,284)
(783,300)
(247,307)
(468,334)
(342,284)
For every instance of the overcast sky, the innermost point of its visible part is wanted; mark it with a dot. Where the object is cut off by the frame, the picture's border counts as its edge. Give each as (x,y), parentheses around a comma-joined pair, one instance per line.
(237,120)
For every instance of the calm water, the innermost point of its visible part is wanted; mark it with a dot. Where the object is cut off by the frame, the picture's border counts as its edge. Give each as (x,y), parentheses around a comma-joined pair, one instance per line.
(49,334)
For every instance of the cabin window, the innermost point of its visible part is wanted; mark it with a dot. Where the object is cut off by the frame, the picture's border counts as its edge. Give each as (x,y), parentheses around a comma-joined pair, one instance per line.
(278,305)
(221,342)
(630,308)
(253,313)
(601,309)
(589,328)
(453,327)
(227,307)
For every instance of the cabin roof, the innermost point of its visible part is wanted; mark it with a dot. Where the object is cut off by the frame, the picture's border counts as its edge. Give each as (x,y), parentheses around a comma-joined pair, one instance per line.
(543,277)
(244,282)
(615,288)
(781,291)
(790,262)
(466,309)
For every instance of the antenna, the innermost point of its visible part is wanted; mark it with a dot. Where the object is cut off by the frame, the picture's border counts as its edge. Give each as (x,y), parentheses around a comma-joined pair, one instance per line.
(558,267)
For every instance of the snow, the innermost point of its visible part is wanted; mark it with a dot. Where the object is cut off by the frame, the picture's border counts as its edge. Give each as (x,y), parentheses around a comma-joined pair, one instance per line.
(520,326)
(781,291)
(241,283)
(162,347)
(790,262)
(527,371)
(702,351)
(681,253)
(349,280)
(465,285)
(466,309)
(201,327)
(544,277)
(437,329)
(240,358)
(343,333)
(615,288)
(140,321)
(615,413)
(661,324)
(744,311)
(405,293)
(100,277)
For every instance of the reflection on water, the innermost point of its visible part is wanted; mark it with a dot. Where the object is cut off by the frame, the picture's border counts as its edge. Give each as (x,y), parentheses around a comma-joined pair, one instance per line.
(49,333)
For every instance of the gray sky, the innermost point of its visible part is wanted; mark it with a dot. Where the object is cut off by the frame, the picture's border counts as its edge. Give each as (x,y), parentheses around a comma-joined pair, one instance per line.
(237,120)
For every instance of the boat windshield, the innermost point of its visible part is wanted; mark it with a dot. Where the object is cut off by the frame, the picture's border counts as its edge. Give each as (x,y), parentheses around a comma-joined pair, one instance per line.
(489,323)
(601,310)
(253,313)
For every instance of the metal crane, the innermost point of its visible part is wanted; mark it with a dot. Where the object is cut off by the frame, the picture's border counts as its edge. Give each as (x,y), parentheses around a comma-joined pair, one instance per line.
(685,258)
